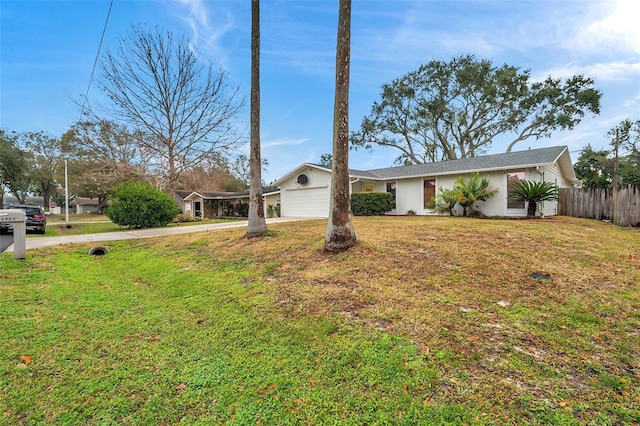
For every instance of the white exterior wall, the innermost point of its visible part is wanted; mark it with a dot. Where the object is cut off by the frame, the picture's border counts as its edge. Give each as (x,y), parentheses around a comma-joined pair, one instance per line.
(409,195)
(317,179)
(552,174)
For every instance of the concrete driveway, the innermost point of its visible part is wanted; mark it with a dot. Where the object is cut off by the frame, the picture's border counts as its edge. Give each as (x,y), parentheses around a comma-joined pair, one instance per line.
(41,242)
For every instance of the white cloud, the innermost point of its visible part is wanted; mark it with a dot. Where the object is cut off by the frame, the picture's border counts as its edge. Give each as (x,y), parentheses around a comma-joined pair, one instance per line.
(283,142)
(633,102)
(205,34)
(615,28)
(613,71)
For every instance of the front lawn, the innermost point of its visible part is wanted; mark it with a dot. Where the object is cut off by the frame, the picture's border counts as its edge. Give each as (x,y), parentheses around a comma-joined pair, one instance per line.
(57,229)
(426,321)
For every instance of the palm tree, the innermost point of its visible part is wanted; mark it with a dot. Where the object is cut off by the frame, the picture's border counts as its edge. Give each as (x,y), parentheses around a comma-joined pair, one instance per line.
(340,234)
(446,200)
(257,224)
(533,193)
(472,190)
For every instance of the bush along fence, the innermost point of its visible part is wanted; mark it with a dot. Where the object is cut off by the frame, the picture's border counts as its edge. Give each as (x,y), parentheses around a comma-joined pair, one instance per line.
(622,208)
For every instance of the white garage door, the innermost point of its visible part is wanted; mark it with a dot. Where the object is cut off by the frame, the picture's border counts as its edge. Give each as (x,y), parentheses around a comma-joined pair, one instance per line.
(307,202)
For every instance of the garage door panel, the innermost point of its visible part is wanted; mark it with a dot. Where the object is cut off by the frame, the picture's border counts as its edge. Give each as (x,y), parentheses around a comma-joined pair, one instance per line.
(307,202)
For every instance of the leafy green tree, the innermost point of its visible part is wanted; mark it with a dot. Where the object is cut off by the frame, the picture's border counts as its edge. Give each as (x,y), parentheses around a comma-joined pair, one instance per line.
(455,109)
(102,156)
(471,190)
(326,160)
(594,168)
(627,134)
(533,193)
(629,169)
(15,167)
(140,205)
(46,163)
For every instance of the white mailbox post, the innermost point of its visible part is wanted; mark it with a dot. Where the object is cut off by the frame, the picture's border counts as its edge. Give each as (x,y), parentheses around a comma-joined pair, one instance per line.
(17,219)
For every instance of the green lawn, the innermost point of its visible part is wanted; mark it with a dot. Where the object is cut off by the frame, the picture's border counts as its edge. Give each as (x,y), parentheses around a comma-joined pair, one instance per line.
(426,321)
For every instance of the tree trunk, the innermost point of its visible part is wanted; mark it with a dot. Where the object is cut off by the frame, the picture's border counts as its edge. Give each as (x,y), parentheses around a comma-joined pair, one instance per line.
(531,208)
(340,233)
(257,224)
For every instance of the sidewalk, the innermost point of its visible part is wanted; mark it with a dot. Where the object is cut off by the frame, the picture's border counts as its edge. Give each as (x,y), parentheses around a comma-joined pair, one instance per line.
(41,242)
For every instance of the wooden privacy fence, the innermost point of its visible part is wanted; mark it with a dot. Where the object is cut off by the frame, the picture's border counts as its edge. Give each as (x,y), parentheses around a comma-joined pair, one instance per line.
(623,207)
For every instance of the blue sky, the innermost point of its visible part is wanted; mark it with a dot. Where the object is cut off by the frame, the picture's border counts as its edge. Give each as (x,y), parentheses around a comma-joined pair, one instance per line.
(48,50)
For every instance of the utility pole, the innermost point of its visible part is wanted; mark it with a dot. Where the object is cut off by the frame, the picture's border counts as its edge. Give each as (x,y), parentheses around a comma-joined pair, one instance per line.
(66,194)
(615,179)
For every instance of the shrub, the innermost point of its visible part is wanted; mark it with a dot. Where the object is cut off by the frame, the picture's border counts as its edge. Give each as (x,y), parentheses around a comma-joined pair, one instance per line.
(141,205)
(241,210)
(371,203)
(533,193)
(446,201)
(186,217)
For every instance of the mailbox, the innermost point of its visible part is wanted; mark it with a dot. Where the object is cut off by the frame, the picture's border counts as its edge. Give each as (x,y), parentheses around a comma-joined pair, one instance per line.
(17,219)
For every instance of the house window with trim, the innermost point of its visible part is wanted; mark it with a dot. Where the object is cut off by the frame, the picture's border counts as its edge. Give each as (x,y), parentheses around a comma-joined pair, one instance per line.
(512,178)
(429,192)
(391,188)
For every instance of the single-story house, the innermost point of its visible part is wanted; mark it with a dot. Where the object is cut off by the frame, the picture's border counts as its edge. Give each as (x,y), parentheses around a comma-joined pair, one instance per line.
(84,205)
(305,190)
(218,204)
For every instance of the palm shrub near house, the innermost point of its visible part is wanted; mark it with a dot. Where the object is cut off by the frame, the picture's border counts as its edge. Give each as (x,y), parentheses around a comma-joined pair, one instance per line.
(533,193)
(139,205)
(446,201)
(471,190)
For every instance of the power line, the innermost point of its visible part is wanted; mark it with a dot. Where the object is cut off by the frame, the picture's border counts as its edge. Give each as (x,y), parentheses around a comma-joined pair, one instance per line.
(95,61)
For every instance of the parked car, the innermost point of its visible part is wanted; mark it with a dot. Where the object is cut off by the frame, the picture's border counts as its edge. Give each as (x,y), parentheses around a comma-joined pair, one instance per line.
(35,219)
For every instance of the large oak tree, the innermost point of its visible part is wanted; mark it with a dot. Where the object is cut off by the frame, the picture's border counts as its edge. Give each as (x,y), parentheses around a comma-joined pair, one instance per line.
(455,109)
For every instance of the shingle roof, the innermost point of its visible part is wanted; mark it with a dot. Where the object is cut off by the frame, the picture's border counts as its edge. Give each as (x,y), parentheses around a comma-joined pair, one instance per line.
(529,158)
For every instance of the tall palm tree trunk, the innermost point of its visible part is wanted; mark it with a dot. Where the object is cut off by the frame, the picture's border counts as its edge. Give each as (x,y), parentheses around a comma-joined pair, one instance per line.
(340,233)
(257,224)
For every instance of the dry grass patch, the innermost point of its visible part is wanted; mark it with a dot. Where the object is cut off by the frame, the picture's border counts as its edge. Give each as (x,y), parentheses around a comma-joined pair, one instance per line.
(463,291)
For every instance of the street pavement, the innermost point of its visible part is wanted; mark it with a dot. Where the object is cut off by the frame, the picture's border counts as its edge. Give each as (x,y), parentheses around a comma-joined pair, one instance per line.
(5,241)
(41,242)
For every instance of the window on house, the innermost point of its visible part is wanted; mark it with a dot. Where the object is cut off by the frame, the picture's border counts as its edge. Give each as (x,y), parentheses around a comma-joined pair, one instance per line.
(429,191)
(391,188)
(512,178)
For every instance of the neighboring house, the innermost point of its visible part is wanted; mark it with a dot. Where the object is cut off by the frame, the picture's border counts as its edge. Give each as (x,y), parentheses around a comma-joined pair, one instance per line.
(219,204)
(179,197)
(305,190)
(85,205)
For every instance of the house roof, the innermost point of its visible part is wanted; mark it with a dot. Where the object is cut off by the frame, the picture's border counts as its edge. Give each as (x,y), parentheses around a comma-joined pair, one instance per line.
(223,195)
(85,201)
(217,195)
(510,160)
